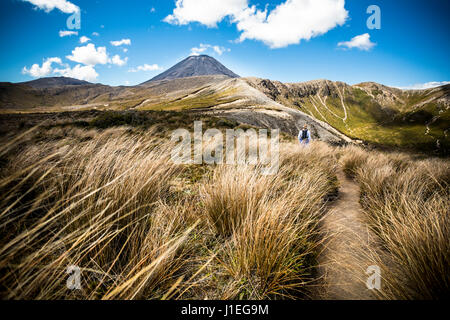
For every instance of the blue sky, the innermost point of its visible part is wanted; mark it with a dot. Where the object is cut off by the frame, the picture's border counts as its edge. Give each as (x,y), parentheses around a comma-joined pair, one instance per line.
(286,40)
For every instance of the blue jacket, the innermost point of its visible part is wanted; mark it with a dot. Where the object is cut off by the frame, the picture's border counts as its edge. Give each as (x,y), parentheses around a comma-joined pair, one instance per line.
(301,134)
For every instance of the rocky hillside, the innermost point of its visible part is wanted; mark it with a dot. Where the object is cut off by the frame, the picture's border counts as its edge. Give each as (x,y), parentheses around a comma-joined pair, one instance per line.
(216,95)
(369,111)
(335,111)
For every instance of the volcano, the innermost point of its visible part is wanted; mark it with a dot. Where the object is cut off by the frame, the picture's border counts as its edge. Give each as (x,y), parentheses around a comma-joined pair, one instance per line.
(193,66)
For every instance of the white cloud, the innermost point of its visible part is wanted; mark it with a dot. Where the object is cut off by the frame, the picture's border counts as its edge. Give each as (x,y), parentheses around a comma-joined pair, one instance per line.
(220,50)
(49,5)
(46,69)
(146,67)
(289,23)
(84,39)
(362,42)
(67,33)
(123,42)
(205,47)
(199,50)
(125,50)
(118,61)
(428,85)
(207,12)
(95,34)
(87,73)
(89,55)
(79,72)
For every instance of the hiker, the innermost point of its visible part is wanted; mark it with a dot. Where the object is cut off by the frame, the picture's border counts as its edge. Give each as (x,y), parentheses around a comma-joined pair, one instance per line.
(304,136)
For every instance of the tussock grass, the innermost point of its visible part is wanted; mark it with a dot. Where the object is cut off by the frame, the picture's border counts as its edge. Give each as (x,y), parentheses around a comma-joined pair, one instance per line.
(407,203)
(230,194)
(270,223)
(270,253)
(352,159)
(141,227)
(109,202)
(99,206)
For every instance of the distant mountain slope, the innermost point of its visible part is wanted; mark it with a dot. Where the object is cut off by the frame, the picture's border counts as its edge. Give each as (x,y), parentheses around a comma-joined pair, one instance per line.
(371,112)
(18,97)
(24,97)
(53,82)
(195,66)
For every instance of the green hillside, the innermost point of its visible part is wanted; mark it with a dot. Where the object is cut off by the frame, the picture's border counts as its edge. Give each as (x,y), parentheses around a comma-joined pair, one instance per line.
(371,112)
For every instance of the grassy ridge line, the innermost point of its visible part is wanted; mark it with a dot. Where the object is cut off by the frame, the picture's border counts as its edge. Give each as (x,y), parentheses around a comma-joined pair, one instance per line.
(364,124)
(376,114)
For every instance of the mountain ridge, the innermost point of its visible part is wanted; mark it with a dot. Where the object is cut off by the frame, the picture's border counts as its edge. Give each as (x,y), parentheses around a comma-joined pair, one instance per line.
(201,65)
(52,82)
(368,111)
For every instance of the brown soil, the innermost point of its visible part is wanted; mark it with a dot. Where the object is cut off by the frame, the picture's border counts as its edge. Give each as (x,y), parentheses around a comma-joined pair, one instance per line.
(346,253)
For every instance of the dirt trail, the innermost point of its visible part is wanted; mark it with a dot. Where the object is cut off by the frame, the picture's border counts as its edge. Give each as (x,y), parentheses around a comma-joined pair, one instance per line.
(344,259)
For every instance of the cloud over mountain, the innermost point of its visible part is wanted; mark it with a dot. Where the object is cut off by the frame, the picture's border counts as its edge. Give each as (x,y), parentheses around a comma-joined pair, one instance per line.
(205,47)
(89,55)
(287,24)
(146,67)
(44,70)
(428,85)
(79,72)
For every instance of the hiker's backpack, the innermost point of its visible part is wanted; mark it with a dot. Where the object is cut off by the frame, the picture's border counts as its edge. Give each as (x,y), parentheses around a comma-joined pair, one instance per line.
(304,134)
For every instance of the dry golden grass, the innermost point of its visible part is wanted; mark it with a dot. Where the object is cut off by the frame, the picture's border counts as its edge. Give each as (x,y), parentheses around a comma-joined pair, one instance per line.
(352,159)
(110,202)
(270,223)
(98,205)
(407,205)
(140,227)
